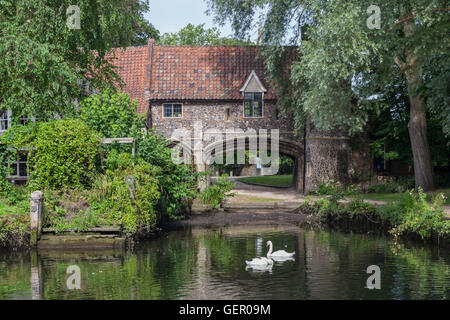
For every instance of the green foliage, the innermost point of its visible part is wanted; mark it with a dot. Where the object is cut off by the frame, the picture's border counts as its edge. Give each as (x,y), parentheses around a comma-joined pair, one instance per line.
(413,214)
(14,216)
(283,181)
(60,153)
(5,156)
(112,198)
(142,29)
(359,206)
(178,182)
(216,194)
(198,35)
(14,230)
(334,189)
(112,114)
(399,185)
(68,209)
(43,60)
(410,215)
(348,72)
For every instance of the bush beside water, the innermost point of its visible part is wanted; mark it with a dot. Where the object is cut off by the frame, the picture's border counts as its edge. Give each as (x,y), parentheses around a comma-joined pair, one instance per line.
(216,194)
(412,215)
(85,184)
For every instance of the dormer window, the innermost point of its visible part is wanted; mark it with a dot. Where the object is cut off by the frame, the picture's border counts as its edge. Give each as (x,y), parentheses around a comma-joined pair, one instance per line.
(253,104)
(253,92)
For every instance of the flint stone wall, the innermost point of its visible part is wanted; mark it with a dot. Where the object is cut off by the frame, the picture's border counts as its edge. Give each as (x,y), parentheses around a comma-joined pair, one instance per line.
(213,116)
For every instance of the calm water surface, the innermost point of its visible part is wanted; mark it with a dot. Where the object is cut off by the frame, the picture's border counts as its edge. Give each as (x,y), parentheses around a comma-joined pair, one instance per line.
(210,264)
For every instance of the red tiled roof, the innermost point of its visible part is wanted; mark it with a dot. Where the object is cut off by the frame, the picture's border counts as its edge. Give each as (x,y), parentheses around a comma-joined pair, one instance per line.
(203,72)
(188,72)
(131,68)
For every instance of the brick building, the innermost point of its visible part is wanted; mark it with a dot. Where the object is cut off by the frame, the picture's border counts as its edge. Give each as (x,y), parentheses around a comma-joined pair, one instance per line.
(224,87)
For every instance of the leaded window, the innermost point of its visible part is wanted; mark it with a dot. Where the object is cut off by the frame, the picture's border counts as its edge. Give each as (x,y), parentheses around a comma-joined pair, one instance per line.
(253,104)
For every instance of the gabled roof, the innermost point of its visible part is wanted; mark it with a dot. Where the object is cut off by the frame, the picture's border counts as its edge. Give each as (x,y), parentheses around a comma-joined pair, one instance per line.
(177,73)
(203,72)
(253,84)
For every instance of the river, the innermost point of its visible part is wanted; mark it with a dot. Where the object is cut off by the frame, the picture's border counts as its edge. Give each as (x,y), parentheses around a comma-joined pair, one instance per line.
(210,264)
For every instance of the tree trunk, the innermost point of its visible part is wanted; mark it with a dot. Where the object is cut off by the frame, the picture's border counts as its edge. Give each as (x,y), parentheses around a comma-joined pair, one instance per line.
(417,127)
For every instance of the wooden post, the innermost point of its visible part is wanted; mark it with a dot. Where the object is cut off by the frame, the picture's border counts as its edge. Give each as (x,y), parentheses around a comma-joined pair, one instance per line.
(36,216)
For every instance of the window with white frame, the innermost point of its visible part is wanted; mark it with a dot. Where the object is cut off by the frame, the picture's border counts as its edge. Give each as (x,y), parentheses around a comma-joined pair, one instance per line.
(172,110)
(253,104)
(5,120)
(19,167)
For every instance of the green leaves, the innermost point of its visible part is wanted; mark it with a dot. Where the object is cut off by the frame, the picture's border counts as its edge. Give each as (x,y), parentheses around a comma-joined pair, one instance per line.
(198,35)
(112,114)
(215,194)
(44,62)
(60,153)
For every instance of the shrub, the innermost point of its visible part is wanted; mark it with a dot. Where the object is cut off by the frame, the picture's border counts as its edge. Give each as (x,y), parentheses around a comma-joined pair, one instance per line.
(334,189)
(178,183)
(400,185)
(60,153)
(69,210)
(215,194)
(112,198)
(112,114)
(413,214)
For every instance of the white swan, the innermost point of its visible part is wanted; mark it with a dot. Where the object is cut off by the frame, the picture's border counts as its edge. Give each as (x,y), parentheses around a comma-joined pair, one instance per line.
(260,262)
(260,268)
(279,253)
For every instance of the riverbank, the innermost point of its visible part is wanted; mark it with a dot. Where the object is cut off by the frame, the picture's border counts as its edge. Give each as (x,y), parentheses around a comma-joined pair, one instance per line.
(243,214)
(268,206)
(410,216)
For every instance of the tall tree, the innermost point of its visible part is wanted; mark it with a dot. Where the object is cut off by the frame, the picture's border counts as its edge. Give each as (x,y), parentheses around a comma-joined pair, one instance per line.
(47,56)
(143,29)
(346,64)
(198,35)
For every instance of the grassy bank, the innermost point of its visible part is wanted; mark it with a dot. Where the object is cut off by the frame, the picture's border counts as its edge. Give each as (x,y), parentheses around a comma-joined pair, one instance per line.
(14,217)
(411,215)
(389,197)
(284,181)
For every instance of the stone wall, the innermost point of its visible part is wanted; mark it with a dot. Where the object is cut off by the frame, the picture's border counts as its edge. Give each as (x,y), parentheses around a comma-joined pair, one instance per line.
(213,115)
(328,157)
(333,156)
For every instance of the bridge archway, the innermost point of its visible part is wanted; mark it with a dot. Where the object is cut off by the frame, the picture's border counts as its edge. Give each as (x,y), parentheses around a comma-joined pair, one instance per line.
(286,147)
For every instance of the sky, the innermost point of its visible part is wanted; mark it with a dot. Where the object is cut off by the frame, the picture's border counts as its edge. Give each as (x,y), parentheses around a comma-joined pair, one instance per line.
(172,15)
